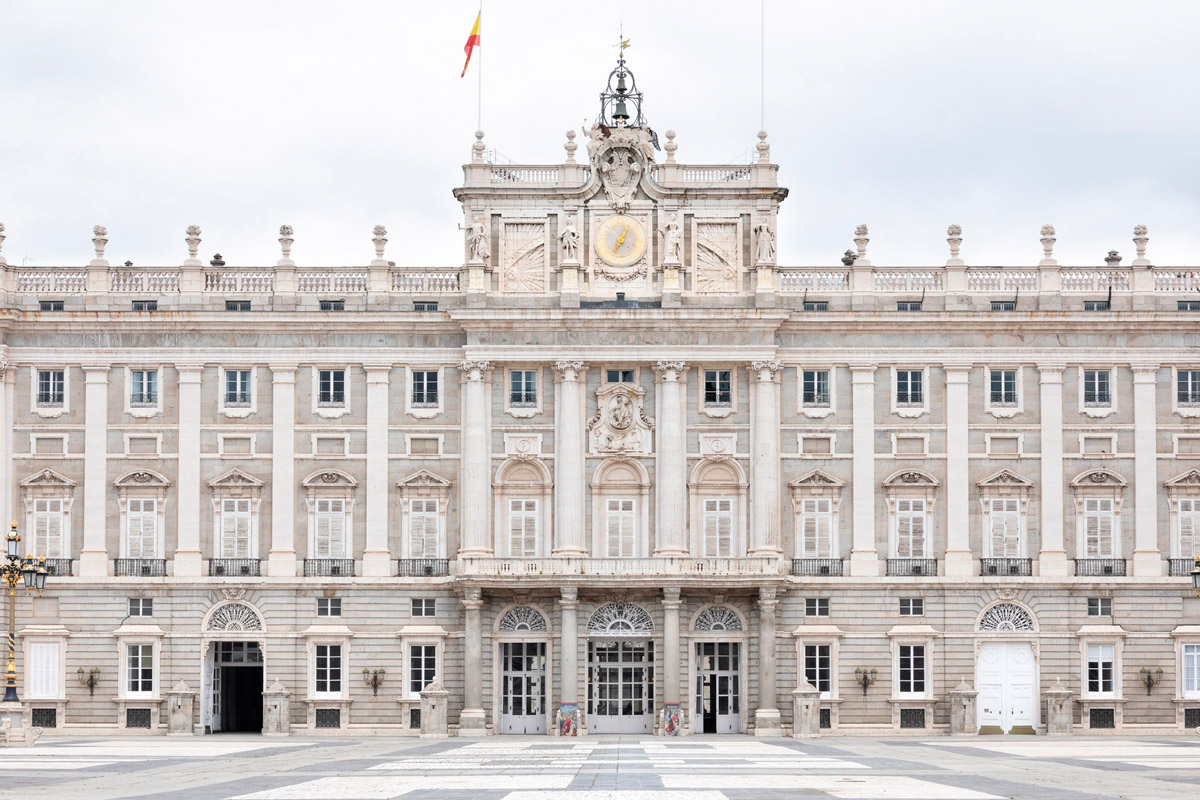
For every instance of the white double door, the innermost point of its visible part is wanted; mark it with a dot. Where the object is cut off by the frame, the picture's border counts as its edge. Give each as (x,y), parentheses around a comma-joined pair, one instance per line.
(621,686)
(1006,678)
(523,687)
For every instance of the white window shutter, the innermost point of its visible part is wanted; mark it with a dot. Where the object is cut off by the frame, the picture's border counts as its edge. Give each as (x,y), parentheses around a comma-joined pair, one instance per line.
(917,548)
(322,549)
(43,670)
(824,536)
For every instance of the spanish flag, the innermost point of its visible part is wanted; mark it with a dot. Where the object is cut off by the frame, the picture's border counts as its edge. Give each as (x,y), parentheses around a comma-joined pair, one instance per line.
(472,42)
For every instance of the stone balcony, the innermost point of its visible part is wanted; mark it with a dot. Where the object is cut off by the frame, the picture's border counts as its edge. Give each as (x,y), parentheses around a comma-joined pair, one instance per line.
(624,568)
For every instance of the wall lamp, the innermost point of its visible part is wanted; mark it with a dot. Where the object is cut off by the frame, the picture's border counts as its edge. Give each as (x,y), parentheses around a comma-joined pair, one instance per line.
(1150,679)
(865,677)
(373,678)
(89,679)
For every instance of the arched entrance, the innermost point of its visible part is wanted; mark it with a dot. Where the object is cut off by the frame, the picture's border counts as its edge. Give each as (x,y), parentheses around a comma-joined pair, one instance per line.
(1006,670)
(718,656)
(522,653)
(234,669)
(620,670)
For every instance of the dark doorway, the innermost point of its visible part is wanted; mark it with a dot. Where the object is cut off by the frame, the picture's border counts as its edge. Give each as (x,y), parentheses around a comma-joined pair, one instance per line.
(242,699)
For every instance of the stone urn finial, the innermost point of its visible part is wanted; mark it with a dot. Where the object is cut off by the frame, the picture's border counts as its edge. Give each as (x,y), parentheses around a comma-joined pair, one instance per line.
(860,241)
(1113,258)
(478,148)
(1048,240)
(670,147)
(285,245)
(99,240)
(570,147)
(1139,239)
(380,240)
(192,238)
(764,149)
(954,239)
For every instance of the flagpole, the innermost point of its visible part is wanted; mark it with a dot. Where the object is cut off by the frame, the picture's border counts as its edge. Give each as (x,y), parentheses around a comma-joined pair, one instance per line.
(479,88)
(762,54)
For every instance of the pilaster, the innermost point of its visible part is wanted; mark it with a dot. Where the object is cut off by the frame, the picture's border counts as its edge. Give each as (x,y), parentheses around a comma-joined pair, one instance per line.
(864,556)
(282,558)
(377,560)
(671,502)
(1147,556)
(765,539)
(93,558)
(473,719)
(959,561)
(568,717)
(188,558)
(475,487)
(1052,560)
(569,460)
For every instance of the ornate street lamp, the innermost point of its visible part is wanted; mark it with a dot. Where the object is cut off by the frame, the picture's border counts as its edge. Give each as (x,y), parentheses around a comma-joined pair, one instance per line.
(1196,576)
(16,570)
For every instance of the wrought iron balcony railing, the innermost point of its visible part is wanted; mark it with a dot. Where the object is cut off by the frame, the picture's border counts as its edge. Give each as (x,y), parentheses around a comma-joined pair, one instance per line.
(1006,566)
(1100,567)
(817,567)
(329,567)
(908,567)
(141,567)
(1182,567)
(423,567)
(234,567)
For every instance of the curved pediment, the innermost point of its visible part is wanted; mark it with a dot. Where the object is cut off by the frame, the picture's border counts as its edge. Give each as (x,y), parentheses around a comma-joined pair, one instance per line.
(911,478)
(329,478)
(142,477)
(1098,478)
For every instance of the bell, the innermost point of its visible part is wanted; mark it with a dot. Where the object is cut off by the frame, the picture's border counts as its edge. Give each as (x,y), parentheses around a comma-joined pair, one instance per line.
(621,89)
(620,113)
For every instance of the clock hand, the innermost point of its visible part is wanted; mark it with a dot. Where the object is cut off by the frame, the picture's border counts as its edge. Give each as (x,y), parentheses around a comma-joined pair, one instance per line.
(621,238)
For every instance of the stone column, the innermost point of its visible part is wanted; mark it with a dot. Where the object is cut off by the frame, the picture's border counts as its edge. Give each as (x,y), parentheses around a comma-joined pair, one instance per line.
(671,468)
(188,558)
(569,489)
(767,721)
(764,476)
(282,557)
(864,557)
(473,719)
(377,560)
(958,546)
(1052,560)
(1147,557)
(964,721)
(475,491)
(671,604)
(569,660)
(93,558)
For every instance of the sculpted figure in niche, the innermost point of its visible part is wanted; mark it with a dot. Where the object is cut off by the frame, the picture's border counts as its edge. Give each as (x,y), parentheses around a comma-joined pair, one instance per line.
(478,246)
(765,252)
(621,415)
(570,242)
(672,233)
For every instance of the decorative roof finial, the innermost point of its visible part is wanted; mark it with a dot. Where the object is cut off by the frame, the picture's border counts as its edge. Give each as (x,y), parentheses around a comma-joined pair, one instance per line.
(99,239)
(570,147)
(860,241)
(764,149)
(621,102)
(2,237)
(477,148)
(954,239)
(380,241)
(1139,239)
(1048,240)
(285,244)
(192,238)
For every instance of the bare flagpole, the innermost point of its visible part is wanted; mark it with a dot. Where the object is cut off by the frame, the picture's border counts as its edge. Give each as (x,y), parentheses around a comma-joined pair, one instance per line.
(479,89)
(762,54)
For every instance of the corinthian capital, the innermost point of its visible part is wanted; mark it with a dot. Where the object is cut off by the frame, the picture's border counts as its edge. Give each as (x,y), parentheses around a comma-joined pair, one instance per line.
(568,370)
(766,369)
(473,369)
(669,369)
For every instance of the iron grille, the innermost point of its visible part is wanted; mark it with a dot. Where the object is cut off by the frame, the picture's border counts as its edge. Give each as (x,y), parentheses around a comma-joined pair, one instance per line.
(912,718)
(59,567)
(1100,567)
(234,566)
(141,567)
(45,718)
(137,718)
(826,718)
(911,566)
(1006,566)
(1180,567)
(423,567)
(329,718)
(1191,718)
(1102,718)
(414,719)
(329,567)
(817,567)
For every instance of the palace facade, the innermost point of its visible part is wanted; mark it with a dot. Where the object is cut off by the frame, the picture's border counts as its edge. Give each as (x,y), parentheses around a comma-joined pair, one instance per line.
(620,471)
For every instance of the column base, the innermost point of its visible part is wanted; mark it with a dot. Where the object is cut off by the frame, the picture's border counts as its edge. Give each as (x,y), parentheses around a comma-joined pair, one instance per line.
(188,564)
(376,564)
(1053,564)
(864,564)
(767,722)
(472,722)
(93,564)
(12,721)
(1147,564)
(959,563)
(281,564)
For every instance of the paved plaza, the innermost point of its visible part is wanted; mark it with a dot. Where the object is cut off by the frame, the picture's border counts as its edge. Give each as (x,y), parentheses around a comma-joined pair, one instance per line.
(247,767)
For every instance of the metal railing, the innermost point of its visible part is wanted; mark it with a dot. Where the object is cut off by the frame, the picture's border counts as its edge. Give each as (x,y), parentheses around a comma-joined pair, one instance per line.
(234,567)
(140,567)
(1006,566)
(1182,567)
(59,567)
(817,567)
(1100,567)
(907,567)
(655,565)
(329,567)
(423,567)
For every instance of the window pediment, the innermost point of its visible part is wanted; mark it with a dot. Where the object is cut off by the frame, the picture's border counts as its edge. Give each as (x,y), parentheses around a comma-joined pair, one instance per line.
(1187,483)
(235,480)
(523,472)
(48,479)
(621,471)
(816,479)
(1102,479)
(423,479)
(329,479)
(1004,479)
(142,479)
(718,471)
(911,479)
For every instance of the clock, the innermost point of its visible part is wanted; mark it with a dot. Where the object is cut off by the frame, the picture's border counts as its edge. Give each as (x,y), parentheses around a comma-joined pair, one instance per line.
(620,240)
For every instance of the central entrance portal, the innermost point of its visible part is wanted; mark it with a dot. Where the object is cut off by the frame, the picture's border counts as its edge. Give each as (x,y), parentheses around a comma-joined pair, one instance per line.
(718,689)
(1005,676)
(237,687)
(523,687)
(621,686)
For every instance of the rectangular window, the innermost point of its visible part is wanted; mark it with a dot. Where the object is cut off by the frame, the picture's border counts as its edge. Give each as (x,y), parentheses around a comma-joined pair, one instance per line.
(1189,527)
(1004,305)
(818,667)
(1188,387)
(330,528)
(141,606)
(235,527)
(329,606)
(1187,305)
(912,669)
(425,305)
(145,305)
(908,305)
(43,670)
(619,521)
(424,522)
(619,376)
(718,392)
(422,666)
(1099,520)
(331,387)
(816,606)
(1099,606)
(329,669)
(424,607)
(815,389)
(140,669)
(912,607)
(523,528)
(51,389)
(1004,518)
(910,529)
(1100,661)
(718,528)
(48,527)
(1191,670)
(237,305)
(237,387)
(1095,305)
(908,387)
(1096,385)
(425,388)
(816,305)
(50,305)
(522,388)
(1004,387)
(816,523)
(141,526)
(333,305)
(143,387)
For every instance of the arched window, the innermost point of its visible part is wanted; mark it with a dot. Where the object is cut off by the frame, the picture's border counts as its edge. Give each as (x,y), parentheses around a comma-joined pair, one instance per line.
(523,490)
(718,618)
(717,489)
(1006,617)
(620,619)
(620,509)
(521,618)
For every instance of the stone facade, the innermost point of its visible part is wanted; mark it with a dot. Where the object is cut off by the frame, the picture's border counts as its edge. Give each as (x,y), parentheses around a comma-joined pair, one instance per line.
(618,460)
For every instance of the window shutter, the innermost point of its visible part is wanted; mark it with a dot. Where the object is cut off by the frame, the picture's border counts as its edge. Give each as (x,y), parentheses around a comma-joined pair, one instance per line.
(142,524)
(824,536)
(917,548)
(531,528)
(1092,533)
(322,549)
(43,670)
(614,533)
(1189,526)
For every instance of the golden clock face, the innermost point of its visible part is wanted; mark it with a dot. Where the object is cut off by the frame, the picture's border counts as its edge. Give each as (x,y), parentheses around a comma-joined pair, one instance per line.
(620,240)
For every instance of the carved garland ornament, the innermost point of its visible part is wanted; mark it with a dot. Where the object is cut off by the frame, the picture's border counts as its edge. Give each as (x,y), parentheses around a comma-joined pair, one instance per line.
(718,618)
(620,619)
(522,618)
(235,617)
(1006,617)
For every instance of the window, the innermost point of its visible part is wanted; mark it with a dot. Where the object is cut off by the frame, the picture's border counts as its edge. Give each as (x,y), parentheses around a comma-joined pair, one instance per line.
(910,528)
(912,607)
(329,606)
(818,666)
(423,528)
(1095,305)
(44,670)
(139,669)
(145,305)
(816,607)
(522,388)
(522,528)
(1098,524)
(50,305)
(816,305)
(1188,305)
(425,388)
(620,524)
(1004,305)
(141,606)
(235,528)
(424,607)
(718,391)
(51,387)
(426,305)
(1004,523)
(1004,387)
(1100,661)
(333,305)
(1191,670)
(237,387)
(1096,390)
(331,387)
(330,528)
(1099,606)
(718,528)
(48,527)
(908,305)
(1188,387)
(619,376)
(422,666)
(141,528)
(815,388)
(908,388)
(237,305)
(912,669)
(1188,527)
(817,527)
(329,669)
(143,387)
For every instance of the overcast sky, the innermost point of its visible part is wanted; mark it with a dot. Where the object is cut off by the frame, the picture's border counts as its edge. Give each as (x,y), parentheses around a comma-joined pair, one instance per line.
(336,116)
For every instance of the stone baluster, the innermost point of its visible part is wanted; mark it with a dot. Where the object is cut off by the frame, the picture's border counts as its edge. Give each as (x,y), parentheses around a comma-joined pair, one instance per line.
(671,693)
(377,560)
(1147,559)
(767,721)
(569,486)
(864,556)
(473,719)
(765,539)
(475,488)
(188,557)
(93,558)
(282,557)
(671,506)
(959,559)
(1052,559)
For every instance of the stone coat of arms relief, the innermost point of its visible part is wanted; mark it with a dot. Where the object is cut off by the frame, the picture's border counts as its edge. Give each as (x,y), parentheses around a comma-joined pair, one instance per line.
(620,425)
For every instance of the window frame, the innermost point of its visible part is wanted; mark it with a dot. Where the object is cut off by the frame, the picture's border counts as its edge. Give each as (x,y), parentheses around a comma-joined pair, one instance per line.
(917,603)
(1086,679)
(816,409)
(331,409)
(1100,604)
(816,636)
(333,607)
(912,636)
(424,410)
(235,485)
(1097,409)
(1183,491)
(58,665)
(237,410)
(523,409)
(423,485)
(1186,409)
(1004,409)
(142,485)
(427,604)
(816,607)
(1085,489)
(146,649)
(909,409)
(314,667)
(427,634)
(49,411)
(142,409)
(815,486)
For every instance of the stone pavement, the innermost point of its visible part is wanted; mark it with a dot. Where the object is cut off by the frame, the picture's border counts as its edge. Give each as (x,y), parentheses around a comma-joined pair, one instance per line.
(243,767)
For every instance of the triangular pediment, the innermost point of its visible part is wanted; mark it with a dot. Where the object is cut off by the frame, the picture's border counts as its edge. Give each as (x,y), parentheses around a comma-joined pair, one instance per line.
(1005,478)
(424,478)
(1191,478)
(329,478)
(817,479)
(234,477)
(48,477)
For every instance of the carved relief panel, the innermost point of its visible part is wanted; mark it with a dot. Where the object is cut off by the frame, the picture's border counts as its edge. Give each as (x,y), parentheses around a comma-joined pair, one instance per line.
(718,261)
(620,424)
(523,257)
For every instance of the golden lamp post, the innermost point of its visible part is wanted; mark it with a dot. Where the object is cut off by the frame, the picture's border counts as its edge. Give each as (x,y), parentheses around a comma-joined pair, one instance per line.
(14,571)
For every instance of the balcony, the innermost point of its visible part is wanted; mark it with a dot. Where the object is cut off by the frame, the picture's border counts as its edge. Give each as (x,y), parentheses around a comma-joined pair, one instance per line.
(329,567)
(58,567)
(910,567)
(1022,567)
(234,567)
(817,567)
(1180,567)
(1100,567)
(423,567)
(140,567)
(619,567)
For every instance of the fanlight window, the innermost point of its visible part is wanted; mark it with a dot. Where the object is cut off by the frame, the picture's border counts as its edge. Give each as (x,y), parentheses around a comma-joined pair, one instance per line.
(235,617)
(718,618)
(1006,617)
(620,619)
(522,618)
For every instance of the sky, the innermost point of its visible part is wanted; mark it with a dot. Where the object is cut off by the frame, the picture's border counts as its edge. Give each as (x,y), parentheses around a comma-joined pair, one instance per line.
(147,116)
